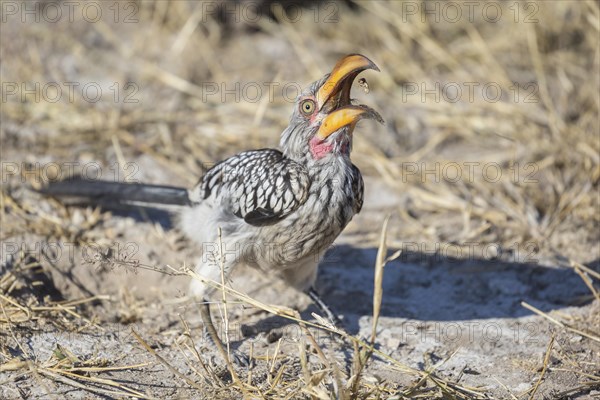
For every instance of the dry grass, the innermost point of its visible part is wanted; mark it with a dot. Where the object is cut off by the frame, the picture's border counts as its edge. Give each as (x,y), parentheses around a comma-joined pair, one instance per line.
(317,379)
(541,136)
(322,379)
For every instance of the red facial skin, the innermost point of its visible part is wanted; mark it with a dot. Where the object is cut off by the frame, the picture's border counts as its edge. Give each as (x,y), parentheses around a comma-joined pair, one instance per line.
(318,147)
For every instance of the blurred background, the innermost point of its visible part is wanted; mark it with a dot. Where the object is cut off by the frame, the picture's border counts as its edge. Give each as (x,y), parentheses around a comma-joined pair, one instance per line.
(490,151)
(491,108)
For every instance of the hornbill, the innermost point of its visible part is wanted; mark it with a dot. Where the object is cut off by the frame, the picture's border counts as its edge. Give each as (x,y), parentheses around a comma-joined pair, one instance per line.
(283,207)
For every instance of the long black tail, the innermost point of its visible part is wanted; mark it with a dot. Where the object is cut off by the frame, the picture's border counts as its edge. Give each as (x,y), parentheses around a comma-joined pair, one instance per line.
(104,192)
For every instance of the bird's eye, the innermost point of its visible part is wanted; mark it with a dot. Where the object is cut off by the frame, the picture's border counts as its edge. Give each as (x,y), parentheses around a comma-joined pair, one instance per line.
(307,107)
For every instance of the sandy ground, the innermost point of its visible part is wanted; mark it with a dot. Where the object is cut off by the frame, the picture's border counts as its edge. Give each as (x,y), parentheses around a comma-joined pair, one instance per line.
(465,314)
(495,293)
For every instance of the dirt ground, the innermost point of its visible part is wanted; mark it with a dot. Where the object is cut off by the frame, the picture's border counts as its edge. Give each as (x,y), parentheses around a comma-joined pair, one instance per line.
(493,200)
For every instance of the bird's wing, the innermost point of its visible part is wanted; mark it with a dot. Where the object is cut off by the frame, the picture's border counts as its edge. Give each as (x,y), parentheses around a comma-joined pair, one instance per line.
(358,188)
(260,186)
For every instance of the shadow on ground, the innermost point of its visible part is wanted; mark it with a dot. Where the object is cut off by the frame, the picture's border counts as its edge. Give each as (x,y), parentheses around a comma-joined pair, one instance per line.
(429,287)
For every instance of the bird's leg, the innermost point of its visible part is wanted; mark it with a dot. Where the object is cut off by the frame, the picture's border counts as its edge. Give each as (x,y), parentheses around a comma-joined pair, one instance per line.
(236,356)
(312,293)
(210,327)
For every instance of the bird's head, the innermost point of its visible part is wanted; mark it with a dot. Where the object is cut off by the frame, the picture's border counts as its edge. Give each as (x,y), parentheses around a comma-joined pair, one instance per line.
(324,117)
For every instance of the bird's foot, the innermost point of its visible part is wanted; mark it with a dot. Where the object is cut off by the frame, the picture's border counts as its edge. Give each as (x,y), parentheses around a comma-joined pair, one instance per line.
(236,357)
(330,315)
(240,359)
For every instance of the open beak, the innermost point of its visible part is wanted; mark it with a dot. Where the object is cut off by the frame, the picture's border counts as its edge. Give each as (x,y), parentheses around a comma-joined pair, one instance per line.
(348,115)
(334,96)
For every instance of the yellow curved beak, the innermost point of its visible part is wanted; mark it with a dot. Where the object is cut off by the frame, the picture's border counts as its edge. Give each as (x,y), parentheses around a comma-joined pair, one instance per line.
(344,71)
(341,117)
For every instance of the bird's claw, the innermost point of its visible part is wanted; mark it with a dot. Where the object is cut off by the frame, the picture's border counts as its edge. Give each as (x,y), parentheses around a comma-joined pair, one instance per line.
(240,359)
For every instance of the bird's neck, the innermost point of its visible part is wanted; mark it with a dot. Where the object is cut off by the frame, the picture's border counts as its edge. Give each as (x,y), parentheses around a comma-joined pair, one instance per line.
(333,165)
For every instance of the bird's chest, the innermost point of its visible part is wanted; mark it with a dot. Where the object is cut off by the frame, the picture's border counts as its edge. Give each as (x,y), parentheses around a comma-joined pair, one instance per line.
(314,226)
(331,203)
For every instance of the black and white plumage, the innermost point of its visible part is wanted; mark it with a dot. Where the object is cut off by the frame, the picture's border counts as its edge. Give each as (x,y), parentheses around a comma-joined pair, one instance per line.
(260,186)
(280,210)
(275,210)
(277,213)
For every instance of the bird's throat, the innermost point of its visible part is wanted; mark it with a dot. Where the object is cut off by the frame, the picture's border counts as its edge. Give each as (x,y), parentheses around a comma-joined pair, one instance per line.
(319,148)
